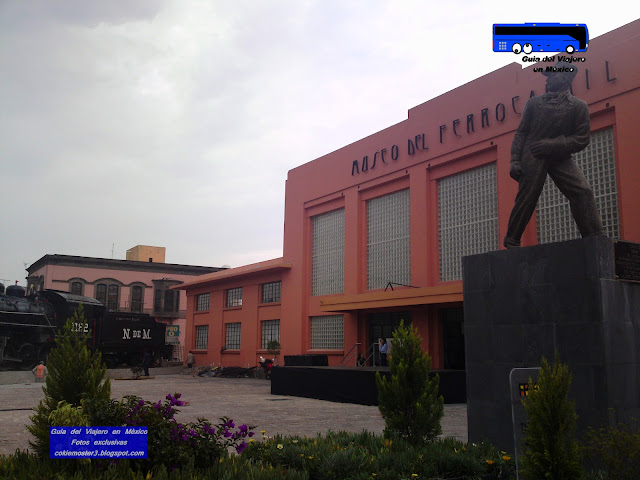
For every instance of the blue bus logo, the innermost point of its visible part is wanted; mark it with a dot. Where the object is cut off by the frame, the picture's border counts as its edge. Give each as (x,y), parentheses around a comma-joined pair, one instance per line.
(540,37)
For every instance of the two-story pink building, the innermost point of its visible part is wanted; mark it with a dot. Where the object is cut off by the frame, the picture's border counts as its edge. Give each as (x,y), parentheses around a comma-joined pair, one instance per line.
(133,285)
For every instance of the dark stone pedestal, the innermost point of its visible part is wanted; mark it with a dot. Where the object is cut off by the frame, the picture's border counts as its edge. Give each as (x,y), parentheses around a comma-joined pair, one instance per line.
(524,303)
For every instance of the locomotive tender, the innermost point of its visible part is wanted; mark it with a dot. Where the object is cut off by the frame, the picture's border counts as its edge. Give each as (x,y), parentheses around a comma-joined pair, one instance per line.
(28,326)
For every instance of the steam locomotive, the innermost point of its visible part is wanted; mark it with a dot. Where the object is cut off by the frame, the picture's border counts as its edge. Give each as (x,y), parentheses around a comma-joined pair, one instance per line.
(29,325)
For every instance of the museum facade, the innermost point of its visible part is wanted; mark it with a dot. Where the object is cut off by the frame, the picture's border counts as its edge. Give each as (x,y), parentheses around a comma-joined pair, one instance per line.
(375,231)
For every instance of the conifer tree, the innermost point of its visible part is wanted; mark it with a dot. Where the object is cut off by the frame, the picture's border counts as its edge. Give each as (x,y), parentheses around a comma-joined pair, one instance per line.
(75,372)
(409,400)
(550,447)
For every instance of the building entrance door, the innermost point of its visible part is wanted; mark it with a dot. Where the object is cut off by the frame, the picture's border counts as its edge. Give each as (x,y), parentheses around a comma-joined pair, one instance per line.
(383,325)
(453,337)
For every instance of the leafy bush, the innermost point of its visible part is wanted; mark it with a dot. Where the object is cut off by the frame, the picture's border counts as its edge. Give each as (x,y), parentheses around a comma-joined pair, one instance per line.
(409,400)
(75,373)
(550,448)
(26,466)
(175,444)
(365,456)
(614,452)
(68,416)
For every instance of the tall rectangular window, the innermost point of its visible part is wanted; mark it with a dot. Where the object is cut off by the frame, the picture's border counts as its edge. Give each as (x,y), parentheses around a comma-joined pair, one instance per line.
(202,337)
(112,298)
(327,332)
(232,341)
(101,293)
(157,300)
(467,217)
(270,331)
(202,302)
(169,305)
(234,297)
(327,256)
(271,292)
(136,299)
(388,240)
(598,163)
(76,288)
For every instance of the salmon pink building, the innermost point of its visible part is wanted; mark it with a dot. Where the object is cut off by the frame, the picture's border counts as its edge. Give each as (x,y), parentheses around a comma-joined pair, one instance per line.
(140,284)
(375,232)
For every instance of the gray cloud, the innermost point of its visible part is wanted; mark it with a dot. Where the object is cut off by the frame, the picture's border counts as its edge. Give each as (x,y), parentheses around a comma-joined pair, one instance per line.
(175,122)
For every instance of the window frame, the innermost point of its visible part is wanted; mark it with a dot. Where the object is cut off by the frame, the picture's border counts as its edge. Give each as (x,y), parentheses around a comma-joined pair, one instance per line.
(74,283)
(198,304)
(264,339)
(133,302)
(273,287)
(198,337)
(232,299)
(231,334)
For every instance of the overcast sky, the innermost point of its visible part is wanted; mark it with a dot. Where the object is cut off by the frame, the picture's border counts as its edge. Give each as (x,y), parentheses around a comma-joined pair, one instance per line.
(174,123)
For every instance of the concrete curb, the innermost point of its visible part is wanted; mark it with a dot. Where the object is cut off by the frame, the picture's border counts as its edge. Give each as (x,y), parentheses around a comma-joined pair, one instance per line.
(18,377)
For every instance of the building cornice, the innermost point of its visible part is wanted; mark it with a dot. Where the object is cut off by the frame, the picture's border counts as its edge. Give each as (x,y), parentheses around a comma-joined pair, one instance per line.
(114,264)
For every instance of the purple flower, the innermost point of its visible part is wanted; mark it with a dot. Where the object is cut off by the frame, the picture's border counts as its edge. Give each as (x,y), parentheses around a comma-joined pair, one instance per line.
(229,424)
(251,434)
(240,448)
(227,433)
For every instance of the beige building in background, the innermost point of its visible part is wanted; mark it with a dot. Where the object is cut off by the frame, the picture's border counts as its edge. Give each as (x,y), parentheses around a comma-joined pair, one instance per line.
(146,253)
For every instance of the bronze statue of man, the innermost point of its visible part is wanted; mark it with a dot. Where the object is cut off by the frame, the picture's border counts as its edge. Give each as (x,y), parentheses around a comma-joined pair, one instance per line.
(552,127)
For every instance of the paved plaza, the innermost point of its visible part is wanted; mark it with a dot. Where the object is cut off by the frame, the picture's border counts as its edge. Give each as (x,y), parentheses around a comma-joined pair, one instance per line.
(246,400)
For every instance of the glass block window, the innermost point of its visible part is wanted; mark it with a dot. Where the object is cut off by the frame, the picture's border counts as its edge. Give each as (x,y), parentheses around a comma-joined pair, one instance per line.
(202,302)
(232,341)
(76,288)
(388,240)
(234,297)
(327,255)
(202,337)
(271,292)
(270,331)
(467,218)
(598,163)
(327,332)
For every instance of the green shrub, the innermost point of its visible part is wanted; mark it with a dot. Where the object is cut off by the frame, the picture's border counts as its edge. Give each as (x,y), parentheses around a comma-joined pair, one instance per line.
(613,453)
(365,456)
(75,373)
(68,416)
(409,400)
(550,448)
(175,444)
(103,412)
(26,466)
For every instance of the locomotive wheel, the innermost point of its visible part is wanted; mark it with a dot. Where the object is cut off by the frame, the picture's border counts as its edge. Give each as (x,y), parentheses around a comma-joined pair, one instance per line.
(29,355)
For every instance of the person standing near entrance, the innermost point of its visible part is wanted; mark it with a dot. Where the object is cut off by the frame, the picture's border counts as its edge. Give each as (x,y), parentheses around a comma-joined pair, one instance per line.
(40,371)
(146,362)
(382,346)
(190,359)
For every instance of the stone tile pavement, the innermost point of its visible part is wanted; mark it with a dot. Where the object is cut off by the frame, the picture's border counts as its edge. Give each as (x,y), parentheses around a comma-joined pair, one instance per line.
(246,400)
